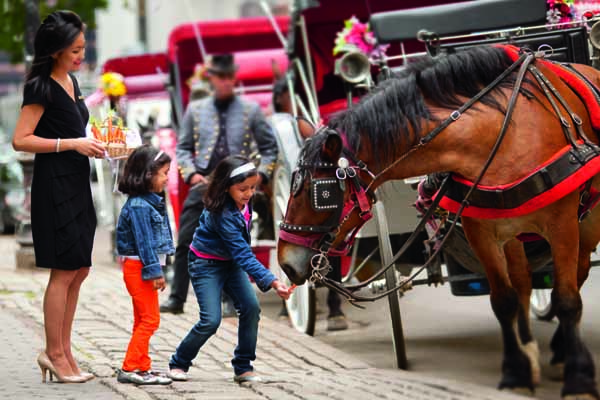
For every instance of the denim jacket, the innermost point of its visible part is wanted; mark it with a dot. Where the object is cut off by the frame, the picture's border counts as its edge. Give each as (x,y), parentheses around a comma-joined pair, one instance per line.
(143,230)
(226,235)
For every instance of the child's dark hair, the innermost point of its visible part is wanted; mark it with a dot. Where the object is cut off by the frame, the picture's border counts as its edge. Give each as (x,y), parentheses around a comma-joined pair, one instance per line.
(139,169)
(217,193)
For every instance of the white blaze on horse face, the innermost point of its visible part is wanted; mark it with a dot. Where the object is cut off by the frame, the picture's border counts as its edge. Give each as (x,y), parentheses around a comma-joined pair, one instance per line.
(294,260)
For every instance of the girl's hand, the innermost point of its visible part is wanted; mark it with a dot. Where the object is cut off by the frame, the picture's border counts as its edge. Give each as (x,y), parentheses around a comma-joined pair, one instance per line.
(159,284)
(89,147)
(282,290)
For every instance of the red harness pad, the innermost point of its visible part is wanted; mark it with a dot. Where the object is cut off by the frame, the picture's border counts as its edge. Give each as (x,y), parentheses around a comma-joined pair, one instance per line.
(584,92)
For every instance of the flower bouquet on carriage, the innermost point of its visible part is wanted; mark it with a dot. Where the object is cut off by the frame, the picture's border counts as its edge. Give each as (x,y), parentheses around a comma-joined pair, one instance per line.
(118,140)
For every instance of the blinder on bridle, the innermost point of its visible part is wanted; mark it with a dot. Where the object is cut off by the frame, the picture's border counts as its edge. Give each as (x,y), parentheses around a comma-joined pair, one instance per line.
(327,194)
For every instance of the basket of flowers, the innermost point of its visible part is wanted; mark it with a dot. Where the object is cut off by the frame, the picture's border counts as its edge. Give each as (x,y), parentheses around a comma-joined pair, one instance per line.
(118,140)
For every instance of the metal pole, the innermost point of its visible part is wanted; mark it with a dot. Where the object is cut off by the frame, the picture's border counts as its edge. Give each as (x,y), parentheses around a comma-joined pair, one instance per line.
(25,257)
(197,33)
(269,14)
(142,24)
(387,256)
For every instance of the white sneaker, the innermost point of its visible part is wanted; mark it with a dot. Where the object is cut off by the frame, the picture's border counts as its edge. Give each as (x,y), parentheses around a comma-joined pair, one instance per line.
(177,375)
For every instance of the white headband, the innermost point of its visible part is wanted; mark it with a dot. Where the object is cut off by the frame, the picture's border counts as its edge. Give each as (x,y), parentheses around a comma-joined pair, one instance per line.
(242,169)
(160,153)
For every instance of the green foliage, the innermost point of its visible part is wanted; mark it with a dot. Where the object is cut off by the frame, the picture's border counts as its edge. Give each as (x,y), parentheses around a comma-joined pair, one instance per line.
(12,20)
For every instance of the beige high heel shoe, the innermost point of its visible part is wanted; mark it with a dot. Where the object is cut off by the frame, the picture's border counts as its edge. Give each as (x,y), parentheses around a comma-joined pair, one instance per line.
(88,376)
(46,365)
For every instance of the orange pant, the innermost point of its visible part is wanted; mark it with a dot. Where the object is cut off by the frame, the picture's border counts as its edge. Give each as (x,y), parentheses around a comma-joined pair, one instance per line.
(146,316)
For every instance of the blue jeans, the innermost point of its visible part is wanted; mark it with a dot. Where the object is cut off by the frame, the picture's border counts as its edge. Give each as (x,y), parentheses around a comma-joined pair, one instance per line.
(209,278)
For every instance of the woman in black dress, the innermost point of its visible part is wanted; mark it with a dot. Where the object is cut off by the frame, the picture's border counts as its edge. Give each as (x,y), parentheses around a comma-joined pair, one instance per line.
(63,220)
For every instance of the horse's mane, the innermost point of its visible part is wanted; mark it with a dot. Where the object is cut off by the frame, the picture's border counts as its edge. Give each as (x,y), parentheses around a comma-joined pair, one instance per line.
(391,113)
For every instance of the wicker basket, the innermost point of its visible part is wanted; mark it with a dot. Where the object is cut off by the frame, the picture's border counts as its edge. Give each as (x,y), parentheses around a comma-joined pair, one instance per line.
(118,150)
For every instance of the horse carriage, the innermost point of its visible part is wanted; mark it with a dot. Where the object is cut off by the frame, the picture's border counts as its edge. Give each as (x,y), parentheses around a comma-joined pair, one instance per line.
(504,137)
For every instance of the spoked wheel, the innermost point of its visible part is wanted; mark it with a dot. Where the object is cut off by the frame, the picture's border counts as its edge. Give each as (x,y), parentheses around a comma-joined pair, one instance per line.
(301,305)
(541,304)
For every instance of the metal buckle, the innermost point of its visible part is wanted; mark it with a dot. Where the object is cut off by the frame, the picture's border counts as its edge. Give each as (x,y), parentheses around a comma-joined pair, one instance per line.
(455,115)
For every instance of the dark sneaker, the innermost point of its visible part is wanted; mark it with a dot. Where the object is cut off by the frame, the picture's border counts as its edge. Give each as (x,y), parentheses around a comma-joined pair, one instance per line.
(171,306)
(141,378)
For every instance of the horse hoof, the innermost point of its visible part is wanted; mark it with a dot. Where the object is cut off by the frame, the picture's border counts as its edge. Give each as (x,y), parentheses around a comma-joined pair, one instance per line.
(580,397)
(556,372)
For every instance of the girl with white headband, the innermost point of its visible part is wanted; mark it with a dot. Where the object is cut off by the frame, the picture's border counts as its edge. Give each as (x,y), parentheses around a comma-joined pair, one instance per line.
(221,259)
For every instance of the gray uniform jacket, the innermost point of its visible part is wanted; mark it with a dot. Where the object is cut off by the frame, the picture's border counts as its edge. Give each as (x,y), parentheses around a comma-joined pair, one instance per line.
(200,130)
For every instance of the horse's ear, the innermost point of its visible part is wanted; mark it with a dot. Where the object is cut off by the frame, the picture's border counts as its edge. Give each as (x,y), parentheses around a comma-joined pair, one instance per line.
(332,148)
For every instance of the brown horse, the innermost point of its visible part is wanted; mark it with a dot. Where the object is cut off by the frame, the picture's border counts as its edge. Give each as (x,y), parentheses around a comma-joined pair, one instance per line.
(410,126)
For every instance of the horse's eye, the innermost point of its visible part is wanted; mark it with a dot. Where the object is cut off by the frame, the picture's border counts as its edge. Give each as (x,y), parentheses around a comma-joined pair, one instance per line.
(297,180)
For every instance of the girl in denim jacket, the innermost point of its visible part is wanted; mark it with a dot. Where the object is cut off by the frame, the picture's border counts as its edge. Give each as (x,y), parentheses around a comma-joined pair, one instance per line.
(144,240)
(221,259)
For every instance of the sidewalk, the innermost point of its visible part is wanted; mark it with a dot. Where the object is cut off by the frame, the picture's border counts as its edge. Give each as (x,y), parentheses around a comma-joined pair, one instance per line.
(295,366)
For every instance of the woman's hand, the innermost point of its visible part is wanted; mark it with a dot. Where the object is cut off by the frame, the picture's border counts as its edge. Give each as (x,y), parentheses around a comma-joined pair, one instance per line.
(282,290)
(159,284)
(89,147)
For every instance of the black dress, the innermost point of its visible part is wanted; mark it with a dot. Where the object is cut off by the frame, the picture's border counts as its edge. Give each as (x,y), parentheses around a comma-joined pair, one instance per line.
(63,218)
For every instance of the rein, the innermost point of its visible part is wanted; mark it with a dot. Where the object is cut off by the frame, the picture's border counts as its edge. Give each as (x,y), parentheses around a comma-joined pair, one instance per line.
(319,262)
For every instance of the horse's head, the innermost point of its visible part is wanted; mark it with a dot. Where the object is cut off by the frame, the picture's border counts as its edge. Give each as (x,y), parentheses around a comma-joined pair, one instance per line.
(329,202)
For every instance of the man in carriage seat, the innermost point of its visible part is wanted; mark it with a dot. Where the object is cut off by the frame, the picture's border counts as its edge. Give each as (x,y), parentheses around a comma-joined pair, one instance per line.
(336,320)
(213,128)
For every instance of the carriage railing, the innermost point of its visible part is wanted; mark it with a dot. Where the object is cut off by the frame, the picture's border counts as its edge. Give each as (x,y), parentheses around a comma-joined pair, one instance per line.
(433,41)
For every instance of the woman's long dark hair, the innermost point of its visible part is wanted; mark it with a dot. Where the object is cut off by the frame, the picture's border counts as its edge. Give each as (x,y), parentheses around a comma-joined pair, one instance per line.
(141,166)
(57,32)
(217,194)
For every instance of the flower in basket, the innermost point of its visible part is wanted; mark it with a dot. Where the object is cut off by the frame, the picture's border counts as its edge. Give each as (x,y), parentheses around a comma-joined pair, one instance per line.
(357,36)
(560,11)
(113,84)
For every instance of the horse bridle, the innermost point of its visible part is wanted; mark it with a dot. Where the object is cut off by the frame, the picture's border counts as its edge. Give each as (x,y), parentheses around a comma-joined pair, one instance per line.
(322,243)
(327,194)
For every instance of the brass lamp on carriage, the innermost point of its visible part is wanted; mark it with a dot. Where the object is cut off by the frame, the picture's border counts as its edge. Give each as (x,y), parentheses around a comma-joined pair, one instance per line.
(354,68)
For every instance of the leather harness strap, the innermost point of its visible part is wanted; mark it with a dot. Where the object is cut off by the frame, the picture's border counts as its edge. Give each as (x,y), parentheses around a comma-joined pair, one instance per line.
(534,185)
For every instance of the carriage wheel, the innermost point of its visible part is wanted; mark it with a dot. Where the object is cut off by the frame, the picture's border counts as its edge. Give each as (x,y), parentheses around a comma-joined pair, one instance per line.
(301,305)
(541,304)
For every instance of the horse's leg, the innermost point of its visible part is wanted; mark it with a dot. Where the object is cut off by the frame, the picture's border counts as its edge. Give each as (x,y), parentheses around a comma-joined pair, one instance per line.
(589,236)
(563,236)
(519,271)
(516,365)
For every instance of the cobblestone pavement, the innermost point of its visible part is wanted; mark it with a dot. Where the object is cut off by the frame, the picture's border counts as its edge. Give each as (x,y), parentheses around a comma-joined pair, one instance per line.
(294,366)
